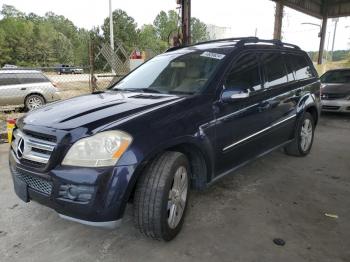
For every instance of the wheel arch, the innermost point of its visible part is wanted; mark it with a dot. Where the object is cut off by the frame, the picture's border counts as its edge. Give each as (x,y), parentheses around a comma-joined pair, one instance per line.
(34,93)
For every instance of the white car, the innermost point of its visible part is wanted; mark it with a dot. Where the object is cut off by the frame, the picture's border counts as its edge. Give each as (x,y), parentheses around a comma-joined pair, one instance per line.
(26,88)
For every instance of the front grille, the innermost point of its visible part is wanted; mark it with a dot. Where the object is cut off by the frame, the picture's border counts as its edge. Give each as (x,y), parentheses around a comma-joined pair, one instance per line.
(327,96)
(331,107)
(44,137)
(32,149)
(36,183)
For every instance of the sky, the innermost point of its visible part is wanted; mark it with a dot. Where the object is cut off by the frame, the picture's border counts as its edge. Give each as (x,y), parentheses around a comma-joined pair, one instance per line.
(243,17)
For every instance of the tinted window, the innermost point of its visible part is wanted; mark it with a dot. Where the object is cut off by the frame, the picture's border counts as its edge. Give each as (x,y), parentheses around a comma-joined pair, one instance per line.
(301,67)
(8,79)
(336,77)
(289,67)
(274,68)
(28,78)
(245,74)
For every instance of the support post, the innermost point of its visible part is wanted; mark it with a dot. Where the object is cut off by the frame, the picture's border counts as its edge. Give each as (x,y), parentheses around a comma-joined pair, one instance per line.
(186,22)
(322,40)
(277,32)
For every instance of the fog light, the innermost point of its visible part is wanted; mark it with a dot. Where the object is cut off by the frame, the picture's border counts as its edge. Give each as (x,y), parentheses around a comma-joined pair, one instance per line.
(76,193)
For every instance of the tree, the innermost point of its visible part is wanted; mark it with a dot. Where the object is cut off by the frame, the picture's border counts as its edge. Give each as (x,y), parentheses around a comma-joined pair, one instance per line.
(9,11)
(198,31)
(168,23)
(124,27)
(148,40)
(165,24)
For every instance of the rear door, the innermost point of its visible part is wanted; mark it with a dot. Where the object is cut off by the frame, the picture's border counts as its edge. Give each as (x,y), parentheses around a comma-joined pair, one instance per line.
(10,93)
(280,90)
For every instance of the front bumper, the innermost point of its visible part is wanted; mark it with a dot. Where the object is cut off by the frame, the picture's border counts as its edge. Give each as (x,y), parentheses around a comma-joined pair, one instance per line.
(336,105)
(109,194)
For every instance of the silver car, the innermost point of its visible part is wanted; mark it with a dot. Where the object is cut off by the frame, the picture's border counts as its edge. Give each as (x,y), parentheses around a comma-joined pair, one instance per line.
(26,88)
(336,90)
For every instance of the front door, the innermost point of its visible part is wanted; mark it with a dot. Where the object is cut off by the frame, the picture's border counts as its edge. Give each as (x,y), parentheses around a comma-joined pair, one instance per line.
(240,124)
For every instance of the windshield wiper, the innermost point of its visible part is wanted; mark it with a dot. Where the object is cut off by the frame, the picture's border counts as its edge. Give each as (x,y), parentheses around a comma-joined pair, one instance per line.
(180,92)
(141,90)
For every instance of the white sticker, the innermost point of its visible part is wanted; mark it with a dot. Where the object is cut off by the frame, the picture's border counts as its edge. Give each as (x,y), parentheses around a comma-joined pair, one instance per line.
(213,55)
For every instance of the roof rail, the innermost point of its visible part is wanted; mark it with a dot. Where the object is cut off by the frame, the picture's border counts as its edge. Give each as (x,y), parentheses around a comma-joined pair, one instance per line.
(241,41)
(273,41)
(213,41)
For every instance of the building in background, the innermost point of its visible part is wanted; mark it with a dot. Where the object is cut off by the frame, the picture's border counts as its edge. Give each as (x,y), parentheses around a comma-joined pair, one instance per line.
(218,32)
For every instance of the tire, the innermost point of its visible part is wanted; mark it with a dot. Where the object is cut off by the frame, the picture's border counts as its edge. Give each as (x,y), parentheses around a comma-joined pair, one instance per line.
(159,201)
(34,102)
(302,143)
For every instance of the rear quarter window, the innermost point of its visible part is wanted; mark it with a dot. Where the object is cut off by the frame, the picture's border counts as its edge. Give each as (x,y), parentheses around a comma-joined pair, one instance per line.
(301,66)
(8,79)
(30,78)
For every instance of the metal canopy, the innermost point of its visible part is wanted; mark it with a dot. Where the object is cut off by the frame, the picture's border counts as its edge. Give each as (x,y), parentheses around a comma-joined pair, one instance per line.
(319,8)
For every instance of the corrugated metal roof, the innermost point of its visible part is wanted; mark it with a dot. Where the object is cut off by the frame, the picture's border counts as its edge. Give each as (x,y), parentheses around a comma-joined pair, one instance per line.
(317,8)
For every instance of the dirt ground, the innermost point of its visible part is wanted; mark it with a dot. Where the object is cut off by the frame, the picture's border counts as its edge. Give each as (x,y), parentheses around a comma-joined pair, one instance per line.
(235,220)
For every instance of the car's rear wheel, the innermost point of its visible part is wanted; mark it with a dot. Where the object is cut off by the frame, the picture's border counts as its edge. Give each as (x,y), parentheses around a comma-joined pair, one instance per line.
(304,137)
(34,102)
(161,196)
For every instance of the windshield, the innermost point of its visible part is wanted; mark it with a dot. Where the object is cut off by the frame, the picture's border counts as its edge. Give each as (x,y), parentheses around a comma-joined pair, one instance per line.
(172,74)
(339,77)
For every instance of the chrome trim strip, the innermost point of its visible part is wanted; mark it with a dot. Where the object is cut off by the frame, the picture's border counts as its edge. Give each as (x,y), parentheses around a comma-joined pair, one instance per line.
(257,133)
(107,224)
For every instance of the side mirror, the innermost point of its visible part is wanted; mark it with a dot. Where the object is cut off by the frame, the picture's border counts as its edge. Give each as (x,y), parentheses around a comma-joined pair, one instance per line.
(232,94)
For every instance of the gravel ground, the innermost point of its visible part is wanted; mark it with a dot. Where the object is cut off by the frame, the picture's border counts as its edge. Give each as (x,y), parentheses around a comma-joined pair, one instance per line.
(235,220)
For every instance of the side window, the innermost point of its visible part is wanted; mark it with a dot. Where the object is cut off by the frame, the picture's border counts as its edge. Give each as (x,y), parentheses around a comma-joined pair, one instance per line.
(302,68)
(8,79)
(274,68)
(244,75)
(29,78)
(289,67)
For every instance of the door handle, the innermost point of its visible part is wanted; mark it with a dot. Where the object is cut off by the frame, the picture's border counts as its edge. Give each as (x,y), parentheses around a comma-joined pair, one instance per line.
(264,106)
(23,88)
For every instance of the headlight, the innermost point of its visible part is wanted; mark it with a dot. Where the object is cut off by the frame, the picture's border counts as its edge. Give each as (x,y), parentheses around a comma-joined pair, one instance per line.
(102,149)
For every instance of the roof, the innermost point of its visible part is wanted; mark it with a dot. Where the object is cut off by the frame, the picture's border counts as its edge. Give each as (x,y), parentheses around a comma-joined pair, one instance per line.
(319,8)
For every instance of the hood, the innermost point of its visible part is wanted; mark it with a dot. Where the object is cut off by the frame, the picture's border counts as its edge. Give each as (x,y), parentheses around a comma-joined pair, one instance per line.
(339,89)
(96,109)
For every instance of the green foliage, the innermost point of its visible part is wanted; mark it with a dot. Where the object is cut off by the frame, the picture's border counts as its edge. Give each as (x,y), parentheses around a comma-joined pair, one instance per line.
(32,40)
(165,24)
(199,31)
(124,28)
(338,55)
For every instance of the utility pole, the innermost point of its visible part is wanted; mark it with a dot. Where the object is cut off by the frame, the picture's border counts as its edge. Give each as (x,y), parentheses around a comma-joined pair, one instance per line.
(336,20)
(186,21)
(111,33)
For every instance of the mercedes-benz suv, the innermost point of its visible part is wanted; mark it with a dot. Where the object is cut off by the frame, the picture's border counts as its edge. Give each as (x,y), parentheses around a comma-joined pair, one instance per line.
(180,121)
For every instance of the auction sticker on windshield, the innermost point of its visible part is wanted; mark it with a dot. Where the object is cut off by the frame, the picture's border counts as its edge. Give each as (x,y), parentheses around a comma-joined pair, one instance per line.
(213,55)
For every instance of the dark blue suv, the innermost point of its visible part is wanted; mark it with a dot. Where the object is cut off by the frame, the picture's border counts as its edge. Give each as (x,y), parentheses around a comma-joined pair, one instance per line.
(182,120)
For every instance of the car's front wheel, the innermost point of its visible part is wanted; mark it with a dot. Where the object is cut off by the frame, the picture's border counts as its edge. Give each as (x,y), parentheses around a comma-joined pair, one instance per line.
(302,143)
(161,196)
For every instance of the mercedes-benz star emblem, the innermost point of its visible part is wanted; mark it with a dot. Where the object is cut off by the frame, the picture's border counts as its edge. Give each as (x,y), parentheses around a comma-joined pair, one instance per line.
(20,148)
